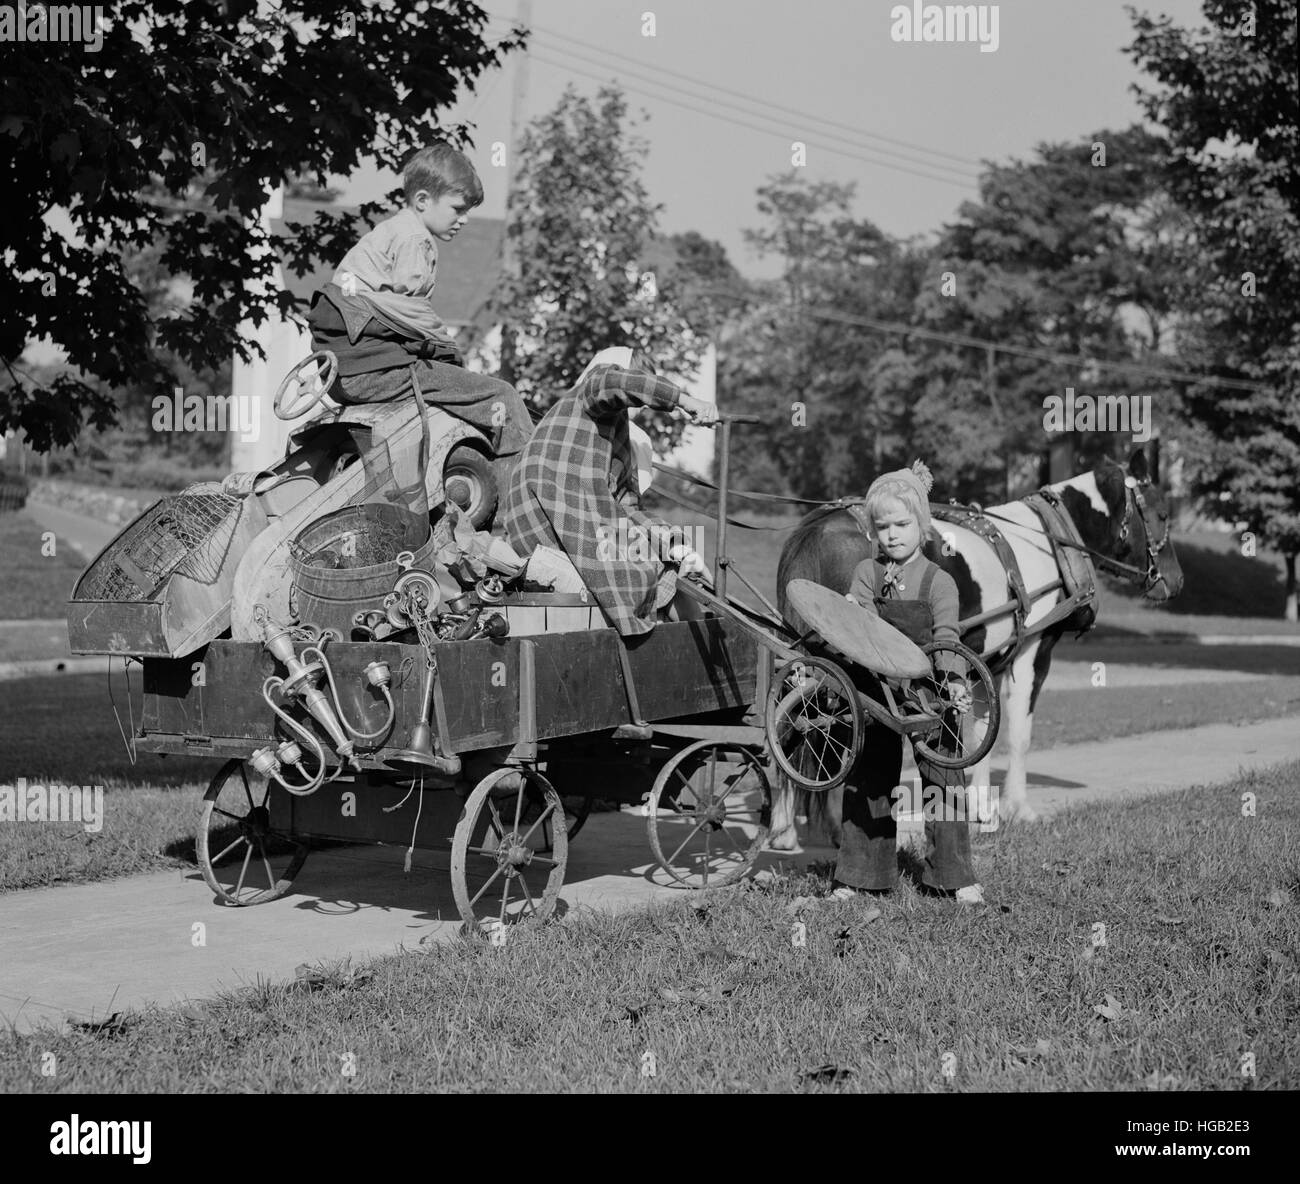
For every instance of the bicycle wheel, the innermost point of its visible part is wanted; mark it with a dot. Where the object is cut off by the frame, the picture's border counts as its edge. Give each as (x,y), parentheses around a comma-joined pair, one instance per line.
(955,741)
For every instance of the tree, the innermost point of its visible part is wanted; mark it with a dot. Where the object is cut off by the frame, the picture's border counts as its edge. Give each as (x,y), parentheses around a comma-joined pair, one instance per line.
(579,223)
(175,133)
(1230,104)
(708,285)
(1068,253)
(800,356)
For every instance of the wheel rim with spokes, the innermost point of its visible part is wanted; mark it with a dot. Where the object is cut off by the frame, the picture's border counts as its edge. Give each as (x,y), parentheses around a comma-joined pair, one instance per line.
(813,722)
(245,859)
(709,814)
(955,741)
(506,868)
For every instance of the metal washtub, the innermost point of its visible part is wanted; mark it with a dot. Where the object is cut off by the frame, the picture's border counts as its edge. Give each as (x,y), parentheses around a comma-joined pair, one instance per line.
(346,562)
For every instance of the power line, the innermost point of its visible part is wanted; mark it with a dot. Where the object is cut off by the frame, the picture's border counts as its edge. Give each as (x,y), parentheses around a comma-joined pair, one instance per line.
(751,126)
(782,117)
(827,314)
(803,115)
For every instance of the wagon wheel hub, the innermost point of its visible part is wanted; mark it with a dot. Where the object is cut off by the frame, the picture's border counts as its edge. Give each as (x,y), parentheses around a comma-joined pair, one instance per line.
(713,814)
(460,491)
(256,825)
(513,853)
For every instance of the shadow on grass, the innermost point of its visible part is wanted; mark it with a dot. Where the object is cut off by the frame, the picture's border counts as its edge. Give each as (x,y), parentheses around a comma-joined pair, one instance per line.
(62,728)
(1217,582)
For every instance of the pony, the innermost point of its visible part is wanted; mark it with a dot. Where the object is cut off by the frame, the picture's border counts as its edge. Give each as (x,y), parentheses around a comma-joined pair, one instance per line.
(1116,513)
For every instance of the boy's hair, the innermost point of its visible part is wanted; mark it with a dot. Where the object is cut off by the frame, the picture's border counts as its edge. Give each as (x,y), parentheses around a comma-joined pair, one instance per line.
(441,169)
(893,489)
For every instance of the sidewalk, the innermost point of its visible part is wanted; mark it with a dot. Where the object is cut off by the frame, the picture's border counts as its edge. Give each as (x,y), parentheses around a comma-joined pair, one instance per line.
(88,950)
(87,536)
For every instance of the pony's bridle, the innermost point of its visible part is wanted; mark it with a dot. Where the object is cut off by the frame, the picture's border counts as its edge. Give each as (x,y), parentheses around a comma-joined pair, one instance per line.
(1134,501)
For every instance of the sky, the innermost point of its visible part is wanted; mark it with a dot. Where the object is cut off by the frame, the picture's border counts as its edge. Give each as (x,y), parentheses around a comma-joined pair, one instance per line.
(728,85)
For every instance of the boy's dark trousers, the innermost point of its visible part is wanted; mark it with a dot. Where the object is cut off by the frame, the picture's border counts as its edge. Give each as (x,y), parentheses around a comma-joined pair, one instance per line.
(869,836)
(490,404)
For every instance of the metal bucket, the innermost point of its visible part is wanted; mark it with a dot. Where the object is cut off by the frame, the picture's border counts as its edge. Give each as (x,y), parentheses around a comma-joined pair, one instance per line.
(346,562)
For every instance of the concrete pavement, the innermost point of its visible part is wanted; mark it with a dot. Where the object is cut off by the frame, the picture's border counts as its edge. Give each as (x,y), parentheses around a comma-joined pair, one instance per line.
(85,951)
(87,536)
(88,950)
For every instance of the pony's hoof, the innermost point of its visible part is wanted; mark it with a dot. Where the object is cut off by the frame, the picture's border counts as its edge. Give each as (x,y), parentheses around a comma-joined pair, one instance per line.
(783,841)
(1018,813)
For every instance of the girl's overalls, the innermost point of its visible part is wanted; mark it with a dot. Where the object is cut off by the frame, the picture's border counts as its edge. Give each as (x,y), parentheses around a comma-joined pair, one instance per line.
(868,844)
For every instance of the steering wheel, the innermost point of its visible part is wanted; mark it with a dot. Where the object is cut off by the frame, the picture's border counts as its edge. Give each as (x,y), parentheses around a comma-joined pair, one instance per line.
(316,372)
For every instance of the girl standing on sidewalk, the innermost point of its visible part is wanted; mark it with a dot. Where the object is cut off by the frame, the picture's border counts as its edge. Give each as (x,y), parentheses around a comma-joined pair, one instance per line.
(920,599)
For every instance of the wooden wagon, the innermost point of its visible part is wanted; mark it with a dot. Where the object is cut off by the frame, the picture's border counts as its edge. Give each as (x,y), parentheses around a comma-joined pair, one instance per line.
(539,726)
(497,745)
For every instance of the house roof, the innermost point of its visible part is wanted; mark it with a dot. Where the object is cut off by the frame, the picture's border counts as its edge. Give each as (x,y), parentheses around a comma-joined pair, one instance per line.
(468,266)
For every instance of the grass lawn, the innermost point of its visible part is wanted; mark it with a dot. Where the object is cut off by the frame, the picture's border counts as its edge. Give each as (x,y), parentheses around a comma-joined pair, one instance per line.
(1148,946)
(1075,716)
(151,808)
(32,585)
(1218,581)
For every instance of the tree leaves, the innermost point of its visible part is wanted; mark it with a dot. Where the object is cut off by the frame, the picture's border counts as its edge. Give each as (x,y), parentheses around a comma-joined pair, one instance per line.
(581,230)
(1231,111)
(186,96)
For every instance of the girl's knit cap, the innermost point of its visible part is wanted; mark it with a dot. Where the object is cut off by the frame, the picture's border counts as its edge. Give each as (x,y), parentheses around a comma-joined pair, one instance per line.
(917,480)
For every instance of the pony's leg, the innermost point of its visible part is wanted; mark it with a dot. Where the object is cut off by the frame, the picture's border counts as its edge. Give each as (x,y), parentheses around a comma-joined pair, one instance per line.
(981,795)
(783,836)
(825,815)
(1018,719)
(834,814)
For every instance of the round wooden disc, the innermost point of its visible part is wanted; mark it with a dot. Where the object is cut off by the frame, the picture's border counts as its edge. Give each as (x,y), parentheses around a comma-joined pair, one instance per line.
(858,633)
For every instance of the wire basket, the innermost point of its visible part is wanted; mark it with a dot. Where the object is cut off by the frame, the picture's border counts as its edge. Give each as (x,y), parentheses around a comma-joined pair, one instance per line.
(186,534)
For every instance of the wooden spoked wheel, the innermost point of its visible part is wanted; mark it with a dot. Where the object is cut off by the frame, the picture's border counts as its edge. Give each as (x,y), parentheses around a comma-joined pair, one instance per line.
(503,868)
(305,385)
(956,740)
(813,723)
(243,858)
(709,814)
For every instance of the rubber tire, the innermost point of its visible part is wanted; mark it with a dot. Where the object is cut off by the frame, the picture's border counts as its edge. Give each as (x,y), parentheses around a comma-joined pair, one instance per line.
(467,462)
(840,679)
(979,673)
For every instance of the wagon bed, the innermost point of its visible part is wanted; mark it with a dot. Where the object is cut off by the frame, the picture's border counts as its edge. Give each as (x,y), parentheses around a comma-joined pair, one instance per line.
(490,693)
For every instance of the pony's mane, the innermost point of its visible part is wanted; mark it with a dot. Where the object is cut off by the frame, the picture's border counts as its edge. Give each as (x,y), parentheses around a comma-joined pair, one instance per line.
(818,514)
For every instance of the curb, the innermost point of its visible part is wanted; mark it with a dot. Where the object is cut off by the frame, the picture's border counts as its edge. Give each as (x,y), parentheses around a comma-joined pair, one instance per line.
(1283,639)
(37,667)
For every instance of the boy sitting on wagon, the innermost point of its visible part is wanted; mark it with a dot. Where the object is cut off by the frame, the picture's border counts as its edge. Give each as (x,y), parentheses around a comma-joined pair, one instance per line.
(377,314)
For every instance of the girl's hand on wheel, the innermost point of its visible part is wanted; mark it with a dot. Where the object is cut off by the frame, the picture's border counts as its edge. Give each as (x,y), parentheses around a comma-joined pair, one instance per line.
(960,697)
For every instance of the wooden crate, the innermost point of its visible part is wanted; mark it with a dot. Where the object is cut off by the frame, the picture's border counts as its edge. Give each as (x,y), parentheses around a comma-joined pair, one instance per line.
(531,613)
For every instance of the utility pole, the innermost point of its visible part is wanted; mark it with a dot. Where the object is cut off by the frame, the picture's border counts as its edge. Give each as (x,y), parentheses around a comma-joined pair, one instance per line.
(518,99)
(991,389)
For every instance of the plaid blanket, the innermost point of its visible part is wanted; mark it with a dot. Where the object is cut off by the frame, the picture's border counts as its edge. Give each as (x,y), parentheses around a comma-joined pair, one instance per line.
(576,478)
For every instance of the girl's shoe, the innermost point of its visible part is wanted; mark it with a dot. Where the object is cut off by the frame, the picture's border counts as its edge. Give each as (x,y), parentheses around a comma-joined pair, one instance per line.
(971,894)
(847,892)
